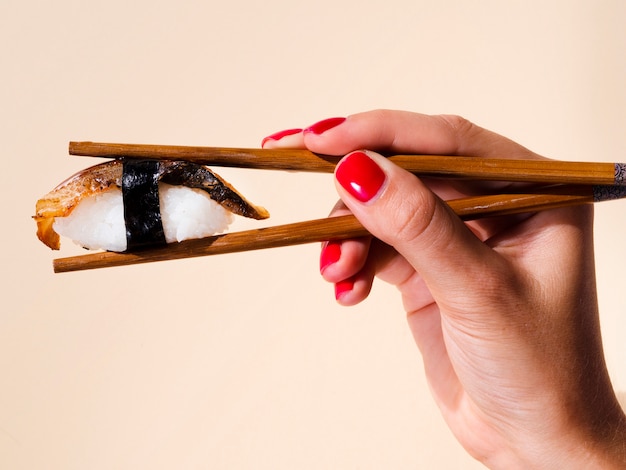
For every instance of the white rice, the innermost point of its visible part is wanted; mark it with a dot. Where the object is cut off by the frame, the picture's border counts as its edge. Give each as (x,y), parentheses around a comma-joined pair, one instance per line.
(97,223)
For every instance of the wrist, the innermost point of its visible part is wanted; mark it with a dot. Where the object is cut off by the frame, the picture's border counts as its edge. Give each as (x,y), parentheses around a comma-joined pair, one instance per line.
(599,444)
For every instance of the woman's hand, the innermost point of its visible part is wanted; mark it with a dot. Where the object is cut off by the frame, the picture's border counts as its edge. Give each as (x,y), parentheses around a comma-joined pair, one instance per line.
(503,310)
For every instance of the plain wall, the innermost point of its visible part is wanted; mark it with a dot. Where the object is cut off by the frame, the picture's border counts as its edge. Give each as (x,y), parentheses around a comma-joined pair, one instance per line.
(245,361)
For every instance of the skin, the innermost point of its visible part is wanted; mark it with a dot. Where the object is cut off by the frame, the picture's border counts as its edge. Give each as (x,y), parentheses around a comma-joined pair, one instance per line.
(503,310)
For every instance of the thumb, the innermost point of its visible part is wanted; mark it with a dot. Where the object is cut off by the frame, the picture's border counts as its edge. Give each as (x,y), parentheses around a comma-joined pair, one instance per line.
(396,207)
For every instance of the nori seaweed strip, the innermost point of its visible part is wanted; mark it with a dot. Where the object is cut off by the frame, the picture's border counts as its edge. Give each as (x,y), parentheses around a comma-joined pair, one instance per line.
(142,212)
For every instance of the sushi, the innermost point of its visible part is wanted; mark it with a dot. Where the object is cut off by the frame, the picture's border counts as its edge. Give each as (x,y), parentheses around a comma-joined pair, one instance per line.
(125,205)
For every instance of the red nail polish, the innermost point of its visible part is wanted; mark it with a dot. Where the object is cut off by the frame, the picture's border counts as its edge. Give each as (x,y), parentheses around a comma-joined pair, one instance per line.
(342,287)
(331,252)
(360,176)
(280,135)
(322,126)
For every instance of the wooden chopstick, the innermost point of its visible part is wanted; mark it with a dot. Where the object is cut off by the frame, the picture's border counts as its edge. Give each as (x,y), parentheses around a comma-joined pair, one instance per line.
(336,228)
(536,171)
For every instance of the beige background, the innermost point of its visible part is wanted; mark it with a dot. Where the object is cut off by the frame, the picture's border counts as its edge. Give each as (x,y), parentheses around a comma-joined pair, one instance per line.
(244,361)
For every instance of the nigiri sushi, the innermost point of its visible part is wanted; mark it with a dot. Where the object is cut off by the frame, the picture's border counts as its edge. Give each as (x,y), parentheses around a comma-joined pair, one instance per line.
(122,205)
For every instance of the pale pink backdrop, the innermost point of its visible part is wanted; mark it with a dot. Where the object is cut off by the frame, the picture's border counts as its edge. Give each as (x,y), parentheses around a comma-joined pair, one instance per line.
(244,361)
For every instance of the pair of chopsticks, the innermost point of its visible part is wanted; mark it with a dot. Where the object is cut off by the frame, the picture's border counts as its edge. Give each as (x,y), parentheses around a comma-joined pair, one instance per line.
(571,183)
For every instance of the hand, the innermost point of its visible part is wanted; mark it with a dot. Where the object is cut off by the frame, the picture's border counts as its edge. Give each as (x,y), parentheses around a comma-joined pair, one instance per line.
(503,310)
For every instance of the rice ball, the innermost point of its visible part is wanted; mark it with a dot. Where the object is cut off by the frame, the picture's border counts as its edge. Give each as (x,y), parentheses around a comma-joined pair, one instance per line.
(97,223)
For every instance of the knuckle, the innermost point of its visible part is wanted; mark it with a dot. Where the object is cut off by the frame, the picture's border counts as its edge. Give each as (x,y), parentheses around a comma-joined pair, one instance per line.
(413,217)
(460,128)
(456,123)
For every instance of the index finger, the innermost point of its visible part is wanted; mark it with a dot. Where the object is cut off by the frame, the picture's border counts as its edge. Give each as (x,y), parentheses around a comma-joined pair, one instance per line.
(407,132)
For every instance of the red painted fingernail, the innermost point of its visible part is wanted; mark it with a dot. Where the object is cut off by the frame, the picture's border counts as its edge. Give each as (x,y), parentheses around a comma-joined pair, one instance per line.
(360,176)
(322,126)
(280,135)
(342,287)
(331,252)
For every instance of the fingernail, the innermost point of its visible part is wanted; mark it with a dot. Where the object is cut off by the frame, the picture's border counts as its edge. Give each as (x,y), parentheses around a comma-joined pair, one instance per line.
(280,135)
(360,176)
(342,287)
(331,252)
(322,126)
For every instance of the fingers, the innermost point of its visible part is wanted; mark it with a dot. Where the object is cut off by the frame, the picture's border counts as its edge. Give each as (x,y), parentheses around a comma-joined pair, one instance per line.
(343,263)
(351,265)
(340,259)
(396,207)
(404,132)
